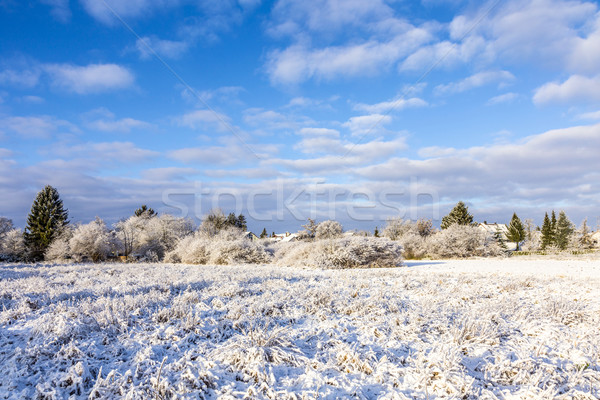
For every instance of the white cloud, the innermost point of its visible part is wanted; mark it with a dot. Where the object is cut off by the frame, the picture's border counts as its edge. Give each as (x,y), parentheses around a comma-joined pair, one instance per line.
(392,105)
(33,99)
(169,173)
(474,81)
(320,132)
(93,78)
(367,124)
(95,153)
(204,119)
(298,62)
(24,78)
(502,98)
(36,126)
(162,47)
(575,89)
(124,125)
(589,115)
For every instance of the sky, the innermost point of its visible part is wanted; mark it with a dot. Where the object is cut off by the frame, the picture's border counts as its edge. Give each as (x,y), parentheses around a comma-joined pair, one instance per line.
(356,110)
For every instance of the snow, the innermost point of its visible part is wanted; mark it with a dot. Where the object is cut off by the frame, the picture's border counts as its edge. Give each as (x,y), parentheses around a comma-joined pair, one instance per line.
(491,328)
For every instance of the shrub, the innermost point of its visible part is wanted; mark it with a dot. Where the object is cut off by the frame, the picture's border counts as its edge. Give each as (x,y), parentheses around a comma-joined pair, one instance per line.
(228,247)
(347,252)
(459,241)
(12,246)
(328,230)
(93,242)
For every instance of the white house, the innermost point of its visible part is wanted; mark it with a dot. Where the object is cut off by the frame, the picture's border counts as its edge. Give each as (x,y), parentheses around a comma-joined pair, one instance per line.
(285,237)
(596,238)
(491,229)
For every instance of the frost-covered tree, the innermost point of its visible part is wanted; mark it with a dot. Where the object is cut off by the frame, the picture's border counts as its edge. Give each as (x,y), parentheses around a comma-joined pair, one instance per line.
(144,211)
(92,242)
(59,250)
(424,227)
(564,230)
(310,229)
(395,228)
(12,246)
(6,225)
(516,231)
(584,236)
(458,241)
(46,220)
(459,215)
(328,230)
(151,237)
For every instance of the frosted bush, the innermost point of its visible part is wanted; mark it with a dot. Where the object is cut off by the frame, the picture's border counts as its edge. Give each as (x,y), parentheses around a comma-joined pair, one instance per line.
(93,242)
(152,236)
(328,230)
(414,245)
(348,252)
(396,228)
(228,247)
(457,241)
(12,246)
(59,250)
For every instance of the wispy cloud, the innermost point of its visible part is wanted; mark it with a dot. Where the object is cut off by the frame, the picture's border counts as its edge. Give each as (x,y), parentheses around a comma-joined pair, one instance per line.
(474,81)
(93,78)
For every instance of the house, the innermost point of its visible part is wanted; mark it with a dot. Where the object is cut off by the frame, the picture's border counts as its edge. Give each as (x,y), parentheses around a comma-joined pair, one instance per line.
(284,237)
(251,236)
(491,230)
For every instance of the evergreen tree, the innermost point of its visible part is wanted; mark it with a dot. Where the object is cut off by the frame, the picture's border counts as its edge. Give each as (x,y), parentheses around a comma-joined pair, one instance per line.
(264,233)
(585,236)
(45,222)
(241,222)
(564,230)
(231,220)
(516,232)
(499,238)
(376,233)
(553,227)
(144,211)
(459,215)
(547,233)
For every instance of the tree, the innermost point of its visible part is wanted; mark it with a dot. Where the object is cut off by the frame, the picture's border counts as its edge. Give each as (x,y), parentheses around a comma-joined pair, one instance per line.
(12,246)
(264,233)
(516,232)
(376,232)
(144,211)
(46,220)
(6,225)
(547,233)
(425,227)
(328,230)
(498,237)
(93,242)
(459,215)
(311,228)
(564,230)
(553,227)
(241,222)
(584,240)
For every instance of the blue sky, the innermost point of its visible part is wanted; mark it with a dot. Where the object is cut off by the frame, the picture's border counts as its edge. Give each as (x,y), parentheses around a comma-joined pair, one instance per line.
(284,110)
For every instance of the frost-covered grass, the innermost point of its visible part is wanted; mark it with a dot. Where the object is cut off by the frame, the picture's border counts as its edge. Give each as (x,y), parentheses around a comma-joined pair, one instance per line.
(449,329)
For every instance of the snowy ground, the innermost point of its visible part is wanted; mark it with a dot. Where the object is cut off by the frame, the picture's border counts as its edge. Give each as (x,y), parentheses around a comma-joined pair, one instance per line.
(514,328)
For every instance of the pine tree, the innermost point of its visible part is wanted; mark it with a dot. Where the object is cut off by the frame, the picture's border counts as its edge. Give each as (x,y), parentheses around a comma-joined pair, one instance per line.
(241,222)
(499,238)
(547,233)
(516,232)
(585,236)
(459,215)
(264,233)
(553,227)
(564,230)
(144,211)
(376,233)
(45,222)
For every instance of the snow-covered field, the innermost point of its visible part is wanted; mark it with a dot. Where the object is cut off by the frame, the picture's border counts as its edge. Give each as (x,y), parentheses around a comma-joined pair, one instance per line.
(490,328)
